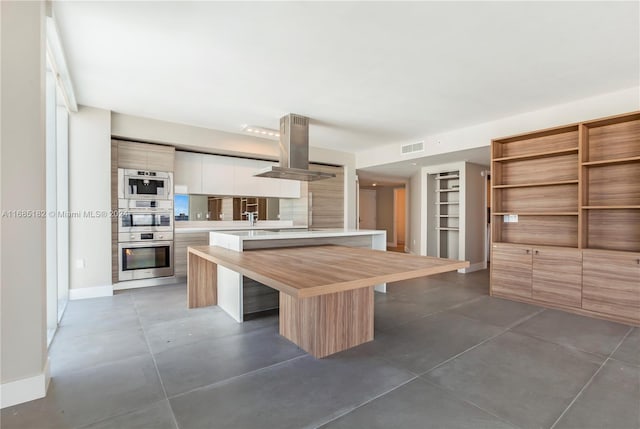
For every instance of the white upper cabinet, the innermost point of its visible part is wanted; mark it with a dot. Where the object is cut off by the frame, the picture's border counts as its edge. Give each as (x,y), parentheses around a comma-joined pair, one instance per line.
(188,173)
(218,175)
(225,175)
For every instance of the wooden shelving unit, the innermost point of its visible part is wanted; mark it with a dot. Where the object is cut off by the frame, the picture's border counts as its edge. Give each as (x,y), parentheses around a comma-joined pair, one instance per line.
(576,241)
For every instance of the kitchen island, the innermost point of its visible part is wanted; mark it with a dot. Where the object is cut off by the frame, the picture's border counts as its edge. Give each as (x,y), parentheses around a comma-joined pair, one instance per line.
(325,288)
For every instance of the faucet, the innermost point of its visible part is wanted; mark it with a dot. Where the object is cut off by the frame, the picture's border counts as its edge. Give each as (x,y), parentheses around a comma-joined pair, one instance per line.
(251,217)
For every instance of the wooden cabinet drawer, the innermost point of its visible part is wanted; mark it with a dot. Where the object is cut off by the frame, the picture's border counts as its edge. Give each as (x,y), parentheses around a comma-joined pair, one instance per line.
(180,244)
(557,276)
(511,272)
(611,283)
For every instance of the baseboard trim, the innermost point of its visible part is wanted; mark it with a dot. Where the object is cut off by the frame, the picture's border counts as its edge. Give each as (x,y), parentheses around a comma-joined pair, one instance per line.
(26,389)
(158,281)
(90,292)
(473,267)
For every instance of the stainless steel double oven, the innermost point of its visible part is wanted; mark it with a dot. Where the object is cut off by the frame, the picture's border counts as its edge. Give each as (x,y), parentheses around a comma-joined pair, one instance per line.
(145,224)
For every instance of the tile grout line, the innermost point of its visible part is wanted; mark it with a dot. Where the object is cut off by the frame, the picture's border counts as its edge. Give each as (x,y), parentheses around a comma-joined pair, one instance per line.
(588,383)
(453,393)
(505,330)
(155,364)
(235,377)
(316,426)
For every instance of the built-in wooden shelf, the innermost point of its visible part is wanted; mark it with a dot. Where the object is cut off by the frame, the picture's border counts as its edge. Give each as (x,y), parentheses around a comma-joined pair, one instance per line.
(448,177)
(537,213)
(448,228)
(612,161)
(538,155)
(447,203)
(448,190)
(534,184)
(610,207)
(448,216)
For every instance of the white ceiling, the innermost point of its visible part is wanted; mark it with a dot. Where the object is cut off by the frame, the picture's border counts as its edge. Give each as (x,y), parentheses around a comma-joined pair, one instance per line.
(366,73)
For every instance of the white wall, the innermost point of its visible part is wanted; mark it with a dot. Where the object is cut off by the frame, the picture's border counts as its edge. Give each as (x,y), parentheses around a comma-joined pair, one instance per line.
(90,191)
(23,367)
(481,135)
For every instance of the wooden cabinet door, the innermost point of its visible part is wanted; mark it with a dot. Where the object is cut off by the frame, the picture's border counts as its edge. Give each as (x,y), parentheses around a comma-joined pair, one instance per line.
(160,157)
(557,276)
(611,283)
(326,198)
(511,271)
(180,244)
(132,155)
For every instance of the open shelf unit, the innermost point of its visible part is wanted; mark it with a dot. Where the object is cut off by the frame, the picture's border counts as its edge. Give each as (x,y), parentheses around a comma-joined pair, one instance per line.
(447,203)
(566,217)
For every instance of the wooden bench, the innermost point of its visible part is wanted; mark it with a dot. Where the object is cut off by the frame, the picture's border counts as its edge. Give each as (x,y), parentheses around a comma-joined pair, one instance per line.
(326,292)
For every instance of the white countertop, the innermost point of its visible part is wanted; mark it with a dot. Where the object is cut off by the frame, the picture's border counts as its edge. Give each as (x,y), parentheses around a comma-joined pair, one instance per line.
(258,227)
(258,234)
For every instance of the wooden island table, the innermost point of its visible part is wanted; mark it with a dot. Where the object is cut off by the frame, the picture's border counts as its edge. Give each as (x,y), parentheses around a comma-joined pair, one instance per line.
(326,292)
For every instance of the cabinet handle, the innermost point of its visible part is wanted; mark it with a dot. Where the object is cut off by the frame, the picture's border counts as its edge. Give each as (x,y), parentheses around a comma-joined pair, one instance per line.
(528,251)
(638,261)
(536,252)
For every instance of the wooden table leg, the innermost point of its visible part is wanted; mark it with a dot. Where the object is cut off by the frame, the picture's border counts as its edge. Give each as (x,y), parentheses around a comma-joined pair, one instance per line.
(202,282)
(327,324)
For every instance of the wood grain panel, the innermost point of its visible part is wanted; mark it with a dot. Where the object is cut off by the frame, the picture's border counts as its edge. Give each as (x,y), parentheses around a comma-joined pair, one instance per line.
(560,198)
(202,282)
(161,158)
(257,297)
(621,140)
(538,144)
(327,324)
(614,229)
(318,270)
(614,185)
(557,276)
(564,167)
(611,283)
(132,155)
(511,271)
(540,230)
(327,198)
(180,244)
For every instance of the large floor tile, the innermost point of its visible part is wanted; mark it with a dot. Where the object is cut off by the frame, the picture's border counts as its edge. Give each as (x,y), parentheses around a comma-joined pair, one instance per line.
(526,381)
(96,315)
(612,400)
(89,396)
(299,393)
(629,350)
(585,333)
(496,311)
(212,360)
(424,343)
(71,353)
(157,416)
(418,405)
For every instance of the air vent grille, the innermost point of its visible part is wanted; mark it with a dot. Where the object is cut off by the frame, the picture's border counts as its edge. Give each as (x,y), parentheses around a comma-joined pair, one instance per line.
(412,148)
(300,120)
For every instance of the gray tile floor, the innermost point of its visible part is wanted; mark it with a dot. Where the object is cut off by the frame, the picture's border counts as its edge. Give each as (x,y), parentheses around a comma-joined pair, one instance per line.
(446,355)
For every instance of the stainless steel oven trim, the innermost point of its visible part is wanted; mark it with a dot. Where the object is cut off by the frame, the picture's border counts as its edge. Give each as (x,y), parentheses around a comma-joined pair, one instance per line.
(130,229)
(123,191)
(145,273)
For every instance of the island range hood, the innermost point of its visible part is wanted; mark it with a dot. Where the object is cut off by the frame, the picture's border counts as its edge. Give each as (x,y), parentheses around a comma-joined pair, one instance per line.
(294,152)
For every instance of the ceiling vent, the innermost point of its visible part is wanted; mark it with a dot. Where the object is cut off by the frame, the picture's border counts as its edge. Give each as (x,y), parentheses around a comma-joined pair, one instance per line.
(412,148)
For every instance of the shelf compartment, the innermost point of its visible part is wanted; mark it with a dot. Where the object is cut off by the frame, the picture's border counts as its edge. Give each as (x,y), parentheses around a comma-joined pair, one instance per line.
(537,213)
(614,139)
(448,177)
(448,216)
(610,207)
(613,185)
(536,229)
(536,144)
(447,228)
(561,198)
(447,190)
(557,169)
(616,229)
(534,184)
(617,161)
(538,155)
(447,203)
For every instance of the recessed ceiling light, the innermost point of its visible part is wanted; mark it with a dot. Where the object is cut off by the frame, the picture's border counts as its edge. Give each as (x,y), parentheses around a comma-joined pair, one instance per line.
(262,131)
